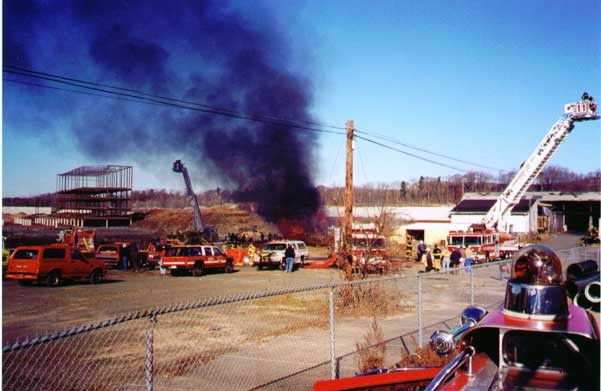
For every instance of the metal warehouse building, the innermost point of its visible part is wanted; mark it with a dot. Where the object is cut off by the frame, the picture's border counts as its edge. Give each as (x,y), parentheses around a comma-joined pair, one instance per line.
(536,211)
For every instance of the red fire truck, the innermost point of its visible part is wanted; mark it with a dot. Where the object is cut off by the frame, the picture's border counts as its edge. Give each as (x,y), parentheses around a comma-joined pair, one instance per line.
(485,244)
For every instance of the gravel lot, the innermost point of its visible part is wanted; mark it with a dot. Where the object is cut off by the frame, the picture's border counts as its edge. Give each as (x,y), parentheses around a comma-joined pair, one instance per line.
(38,309)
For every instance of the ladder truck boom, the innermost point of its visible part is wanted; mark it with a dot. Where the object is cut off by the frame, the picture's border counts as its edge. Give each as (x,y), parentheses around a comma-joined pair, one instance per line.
(497,216)
(179,167)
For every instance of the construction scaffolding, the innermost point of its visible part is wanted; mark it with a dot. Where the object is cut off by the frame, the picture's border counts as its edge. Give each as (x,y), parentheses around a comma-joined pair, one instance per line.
(94,196)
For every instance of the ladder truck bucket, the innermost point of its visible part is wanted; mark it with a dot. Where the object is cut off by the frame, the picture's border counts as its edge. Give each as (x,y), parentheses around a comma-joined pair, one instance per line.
(178,166)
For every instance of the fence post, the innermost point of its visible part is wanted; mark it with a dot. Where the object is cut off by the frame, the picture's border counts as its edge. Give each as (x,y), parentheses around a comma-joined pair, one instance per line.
(149,367)
(420,321)
(472,287)
(333,360)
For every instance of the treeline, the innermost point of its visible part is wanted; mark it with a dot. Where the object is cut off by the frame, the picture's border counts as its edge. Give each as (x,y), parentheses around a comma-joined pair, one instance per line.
(429,190)
(46,199)
(422,191)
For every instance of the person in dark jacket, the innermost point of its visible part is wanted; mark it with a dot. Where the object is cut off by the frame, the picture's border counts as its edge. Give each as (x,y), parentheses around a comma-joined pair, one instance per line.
(134,256)
(455,258)
(125,257)
(289,255)
(429,264)
(421,250)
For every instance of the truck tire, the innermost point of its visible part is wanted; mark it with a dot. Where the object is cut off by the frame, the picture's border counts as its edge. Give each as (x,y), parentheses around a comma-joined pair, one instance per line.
(302,262)
(197,270)
(229,267)
(54,279)
(96,276)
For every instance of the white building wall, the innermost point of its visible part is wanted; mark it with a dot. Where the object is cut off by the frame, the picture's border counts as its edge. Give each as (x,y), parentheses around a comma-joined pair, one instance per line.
(433,232)
(29,210)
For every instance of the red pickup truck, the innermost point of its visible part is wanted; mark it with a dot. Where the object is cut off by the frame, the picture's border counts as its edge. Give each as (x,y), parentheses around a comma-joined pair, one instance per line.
(52,264)
(195,259)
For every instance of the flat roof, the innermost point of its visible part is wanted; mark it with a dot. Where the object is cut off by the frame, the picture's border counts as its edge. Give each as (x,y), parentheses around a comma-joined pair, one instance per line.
(544,196)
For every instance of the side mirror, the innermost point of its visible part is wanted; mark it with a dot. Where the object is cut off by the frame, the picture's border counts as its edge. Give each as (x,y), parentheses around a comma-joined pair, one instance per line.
(444,342)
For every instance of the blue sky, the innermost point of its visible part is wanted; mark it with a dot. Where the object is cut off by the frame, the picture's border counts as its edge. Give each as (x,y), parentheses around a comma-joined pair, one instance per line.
(479,81)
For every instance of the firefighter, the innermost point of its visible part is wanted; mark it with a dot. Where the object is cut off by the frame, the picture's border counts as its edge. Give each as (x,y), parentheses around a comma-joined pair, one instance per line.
(437,254)
(252,251)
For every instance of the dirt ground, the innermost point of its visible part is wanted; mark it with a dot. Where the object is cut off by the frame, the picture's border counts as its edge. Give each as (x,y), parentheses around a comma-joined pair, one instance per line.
(39,309)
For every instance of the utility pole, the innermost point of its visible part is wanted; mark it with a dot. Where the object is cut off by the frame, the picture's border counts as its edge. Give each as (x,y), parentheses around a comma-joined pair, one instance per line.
(348,190)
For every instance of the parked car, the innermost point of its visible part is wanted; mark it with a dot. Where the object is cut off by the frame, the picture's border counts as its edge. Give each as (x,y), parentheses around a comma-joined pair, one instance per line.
(111,254)
(271,255)
(195,259)
(52,264)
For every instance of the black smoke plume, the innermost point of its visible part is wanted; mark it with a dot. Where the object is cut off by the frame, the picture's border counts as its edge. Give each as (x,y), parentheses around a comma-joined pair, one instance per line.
(200,51)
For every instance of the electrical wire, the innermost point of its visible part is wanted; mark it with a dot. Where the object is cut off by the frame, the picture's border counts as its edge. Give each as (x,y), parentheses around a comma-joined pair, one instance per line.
(394,141)
(76,91)
(409,153)
(141,95)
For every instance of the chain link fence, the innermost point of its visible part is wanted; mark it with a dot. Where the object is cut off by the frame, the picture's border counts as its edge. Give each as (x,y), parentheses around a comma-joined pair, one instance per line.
(285,339)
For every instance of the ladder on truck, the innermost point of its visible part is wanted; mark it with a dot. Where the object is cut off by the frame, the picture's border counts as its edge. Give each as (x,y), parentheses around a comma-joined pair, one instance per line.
(497,217)
(197,223)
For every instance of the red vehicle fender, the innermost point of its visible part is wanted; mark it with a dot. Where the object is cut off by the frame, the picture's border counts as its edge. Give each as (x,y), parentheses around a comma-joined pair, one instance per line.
(382,379)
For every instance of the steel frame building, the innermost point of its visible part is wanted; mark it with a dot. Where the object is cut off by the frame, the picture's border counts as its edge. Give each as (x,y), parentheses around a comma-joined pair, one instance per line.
(94,196)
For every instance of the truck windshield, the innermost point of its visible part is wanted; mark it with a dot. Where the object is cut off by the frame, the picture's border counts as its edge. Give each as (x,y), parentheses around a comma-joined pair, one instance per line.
(473,240)
(275,247)
(456,240)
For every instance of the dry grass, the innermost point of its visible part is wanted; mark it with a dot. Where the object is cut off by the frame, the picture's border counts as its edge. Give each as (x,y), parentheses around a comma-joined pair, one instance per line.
(423,357)
(367,300)
(371,350)
(225,218)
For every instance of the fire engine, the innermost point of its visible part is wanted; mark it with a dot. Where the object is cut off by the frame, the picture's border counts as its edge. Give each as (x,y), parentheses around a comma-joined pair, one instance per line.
(488,236)
(486,244)
(367,242)
(368,246)
(536,340)
(82,239)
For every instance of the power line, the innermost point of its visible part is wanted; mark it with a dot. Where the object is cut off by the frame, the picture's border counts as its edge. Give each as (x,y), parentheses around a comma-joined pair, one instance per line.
(76,91)
(143,96)
(409,154)
(394,141)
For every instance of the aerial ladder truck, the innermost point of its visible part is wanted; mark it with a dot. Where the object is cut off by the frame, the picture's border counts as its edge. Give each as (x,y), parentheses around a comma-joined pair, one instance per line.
(200,231)
(498,216)
(486,238)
